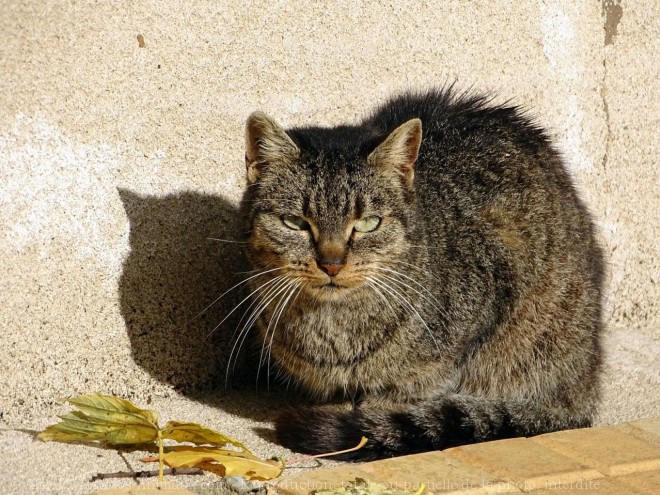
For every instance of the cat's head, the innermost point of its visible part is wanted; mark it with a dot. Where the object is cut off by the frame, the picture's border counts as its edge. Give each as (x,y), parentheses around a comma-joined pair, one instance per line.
(329,208)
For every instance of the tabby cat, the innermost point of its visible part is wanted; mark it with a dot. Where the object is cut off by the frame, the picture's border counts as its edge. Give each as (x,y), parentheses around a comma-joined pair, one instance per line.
(432,267)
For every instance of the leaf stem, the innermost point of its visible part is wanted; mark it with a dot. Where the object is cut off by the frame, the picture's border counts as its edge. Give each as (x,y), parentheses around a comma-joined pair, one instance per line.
(160,457)
(363,441)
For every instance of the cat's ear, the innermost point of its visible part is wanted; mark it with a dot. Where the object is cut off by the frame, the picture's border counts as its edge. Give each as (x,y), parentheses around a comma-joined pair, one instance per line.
(266,143)
(399,151)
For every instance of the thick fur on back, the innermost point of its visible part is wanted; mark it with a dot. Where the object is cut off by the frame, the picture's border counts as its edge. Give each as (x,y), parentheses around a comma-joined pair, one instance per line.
(473,310)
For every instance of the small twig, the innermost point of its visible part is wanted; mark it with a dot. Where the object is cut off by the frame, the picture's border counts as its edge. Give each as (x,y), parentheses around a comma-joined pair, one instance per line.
(145,474)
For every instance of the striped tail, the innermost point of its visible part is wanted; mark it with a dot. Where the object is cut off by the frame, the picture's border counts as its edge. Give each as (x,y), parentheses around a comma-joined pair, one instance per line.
(435,424)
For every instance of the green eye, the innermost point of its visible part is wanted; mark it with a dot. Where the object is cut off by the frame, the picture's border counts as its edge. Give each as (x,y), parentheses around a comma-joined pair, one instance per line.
(367,224)
(294,222)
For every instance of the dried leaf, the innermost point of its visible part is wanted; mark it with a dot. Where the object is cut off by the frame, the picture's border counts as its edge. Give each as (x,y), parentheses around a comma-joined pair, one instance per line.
(198,434)
(104,418)
(223,462)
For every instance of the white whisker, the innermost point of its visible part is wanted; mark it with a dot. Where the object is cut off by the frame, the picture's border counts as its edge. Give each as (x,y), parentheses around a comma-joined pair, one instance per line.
(225,240)
(424,271)
(433,300)
(256,312)
(373,287)
(238,306)
(242,334)
(295,289)
(289,284)
(232,288)
(406,304)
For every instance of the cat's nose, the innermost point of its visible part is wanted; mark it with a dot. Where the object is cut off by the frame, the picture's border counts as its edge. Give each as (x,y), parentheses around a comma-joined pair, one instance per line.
(331,266)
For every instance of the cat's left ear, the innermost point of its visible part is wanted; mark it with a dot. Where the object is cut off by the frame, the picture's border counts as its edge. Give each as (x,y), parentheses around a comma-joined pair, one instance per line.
(399,151)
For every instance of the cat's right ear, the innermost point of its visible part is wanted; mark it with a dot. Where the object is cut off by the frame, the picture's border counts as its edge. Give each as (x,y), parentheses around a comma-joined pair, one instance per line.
(266,144)
(398,153)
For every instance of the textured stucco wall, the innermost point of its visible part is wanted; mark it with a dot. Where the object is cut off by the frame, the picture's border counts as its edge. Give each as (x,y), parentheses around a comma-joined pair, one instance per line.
(118,162)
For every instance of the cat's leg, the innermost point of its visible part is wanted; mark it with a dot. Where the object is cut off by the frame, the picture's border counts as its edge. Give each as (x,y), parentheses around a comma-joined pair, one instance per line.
(432,424)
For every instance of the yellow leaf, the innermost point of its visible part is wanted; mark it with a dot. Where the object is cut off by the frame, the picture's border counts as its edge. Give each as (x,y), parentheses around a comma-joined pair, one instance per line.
(198,434)
(118,421)
(114,409)
(224,462)
(104,418)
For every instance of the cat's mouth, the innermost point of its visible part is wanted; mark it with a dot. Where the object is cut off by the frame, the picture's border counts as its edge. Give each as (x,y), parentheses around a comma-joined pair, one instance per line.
(332,286)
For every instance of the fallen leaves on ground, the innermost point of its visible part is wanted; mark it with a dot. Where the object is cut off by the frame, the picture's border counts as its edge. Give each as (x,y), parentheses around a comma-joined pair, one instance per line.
(223,462)
(104,418)
(117,421)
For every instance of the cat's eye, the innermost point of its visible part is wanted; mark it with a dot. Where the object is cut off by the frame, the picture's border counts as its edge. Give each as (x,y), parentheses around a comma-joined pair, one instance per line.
(295,222)
(367,224)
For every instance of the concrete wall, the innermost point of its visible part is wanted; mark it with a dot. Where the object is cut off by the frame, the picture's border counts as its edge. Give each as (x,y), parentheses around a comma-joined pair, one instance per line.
(119,161)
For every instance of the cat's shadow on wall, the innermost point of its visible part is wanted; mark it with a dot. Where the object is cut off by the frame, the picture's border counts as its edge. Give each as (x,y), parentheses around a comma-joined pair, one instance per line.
(173,273)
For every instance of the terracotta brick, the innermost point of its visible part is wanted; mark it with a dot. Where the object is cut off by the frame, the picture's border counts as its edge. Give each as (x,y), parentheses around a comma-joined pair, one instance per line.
(609,450)
(645,429)
(440,473)
(322,479)
(602,486)
(527,465)
(647,482)
(619,460)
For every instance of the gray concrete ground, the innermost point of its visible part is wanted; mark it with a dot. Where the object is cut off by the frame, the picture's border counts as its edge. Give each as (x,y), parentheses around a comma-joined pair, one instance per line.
(118,162)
